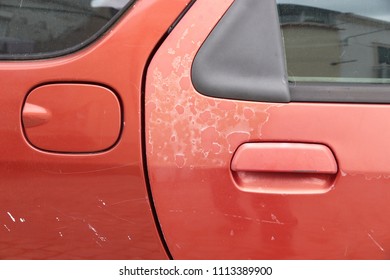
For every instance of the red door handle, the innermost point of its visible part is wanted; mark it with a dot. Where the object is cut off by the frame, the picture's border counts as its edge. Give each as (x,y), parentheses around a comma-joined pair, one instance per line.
(291,168)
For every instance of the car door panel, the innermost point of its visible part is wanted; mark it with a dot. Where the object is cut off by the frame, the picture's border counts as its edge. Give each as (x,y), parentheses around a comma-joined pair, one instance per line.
(191,140)
(90,205)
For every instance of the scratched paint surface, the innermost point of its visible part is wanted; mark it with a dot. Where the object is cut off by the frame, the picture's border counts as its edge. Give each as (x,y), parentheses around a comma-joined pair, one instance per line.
(82,206)
(191,139)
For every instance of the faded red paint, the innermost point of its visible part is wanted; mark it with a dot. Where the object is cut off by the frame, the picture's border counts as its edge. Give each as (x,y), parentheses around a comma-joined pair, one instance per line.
(203,213)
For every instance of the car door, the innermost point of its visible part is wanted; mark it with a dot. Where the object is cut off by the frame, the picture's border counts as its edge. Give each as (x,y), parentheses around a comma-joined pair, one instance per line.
(72,180)
(245,163)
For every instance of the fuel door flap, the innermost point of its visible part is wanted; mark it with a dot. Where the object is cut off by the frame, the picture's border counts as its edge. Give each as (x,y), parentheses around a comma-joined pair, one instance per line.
(72,118)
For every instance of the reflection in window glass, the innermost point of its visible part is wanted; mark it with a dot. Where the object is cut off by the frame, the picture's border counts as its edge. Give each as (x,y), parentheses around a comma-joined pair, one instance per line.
(332,40)
(39,27)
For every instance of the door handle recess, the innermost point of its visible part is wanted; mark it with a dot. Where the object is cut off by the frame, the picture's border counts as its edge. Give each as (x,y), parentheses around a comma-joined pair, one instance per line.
(284,168)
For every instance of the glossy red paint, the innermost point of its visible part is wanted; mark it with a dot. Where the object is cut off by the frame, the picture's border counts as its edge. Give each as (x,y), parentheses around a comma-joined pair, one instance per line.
(82,206)
(191,140)
(73,118)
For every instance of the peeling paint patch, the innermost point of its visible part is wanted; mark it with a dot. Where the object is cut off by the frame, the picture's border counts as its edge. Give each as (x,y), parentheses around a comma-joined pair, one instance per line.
(185,128)
(180,121)
(180,160)
(249,113)
(236,138)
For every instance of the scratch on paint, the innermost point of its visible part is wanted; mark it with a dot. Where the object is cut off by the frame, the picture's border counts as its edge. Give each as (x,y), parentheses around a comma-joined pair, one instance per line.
(68,216)
(274,221)
(274,218)
(92,228)
(87,171)
(375,242)
(7,228)
(127,200)
(117,217)
(101,238)
(271,222)
(176,211)
(102,202)
(373,177)
(12,218)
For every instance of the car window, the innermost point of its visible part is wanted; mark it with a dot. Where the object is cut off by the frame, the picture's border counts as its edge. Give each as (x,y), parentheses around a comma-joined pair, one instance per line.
(336,41)
(38,28)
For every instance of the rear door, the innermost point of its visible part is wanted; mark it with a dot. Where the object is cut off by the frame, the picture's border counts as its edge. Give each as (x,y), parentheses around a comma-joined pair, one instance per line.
(248,160)
(72,181)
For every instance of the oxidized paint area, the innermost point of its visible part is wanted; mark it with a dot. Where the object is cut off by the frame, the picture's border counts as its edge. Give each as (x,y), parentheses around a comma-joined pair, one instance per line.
(190,142)
(183,127)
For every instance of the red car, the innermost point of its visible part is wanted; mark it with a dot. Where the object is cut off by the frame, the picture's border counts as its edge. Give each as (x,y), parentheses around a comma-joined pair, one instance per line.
(194,129)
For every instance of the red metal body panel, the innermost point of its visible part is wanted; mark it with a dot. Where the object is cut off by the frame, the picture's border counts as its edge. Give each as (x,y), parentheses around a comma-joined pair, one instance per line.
(82,206)
(191,140)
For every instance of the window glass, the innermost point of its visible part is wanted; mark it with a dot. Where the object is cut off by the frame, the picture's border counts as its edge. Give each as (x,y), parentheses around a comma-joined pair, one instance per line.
(40,27)
(333,40)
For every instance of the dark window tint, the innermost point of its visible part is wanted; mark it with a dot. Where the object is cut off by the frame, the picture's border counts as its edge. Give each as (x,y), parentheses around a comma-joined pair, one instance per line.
(384,55)
(337,41)
(31,28)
